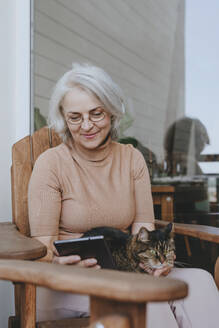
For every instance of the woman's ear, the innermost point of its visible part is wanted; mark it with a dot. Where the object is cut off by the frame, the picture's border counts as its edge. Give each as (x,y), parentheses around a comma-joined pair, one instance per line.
(143,235)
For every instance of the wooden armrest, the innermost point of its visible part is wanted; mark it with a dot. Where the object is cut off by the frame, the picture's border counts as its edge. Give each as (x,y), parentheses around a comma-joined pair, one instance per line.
(193,230)
(109,284)
(14,245)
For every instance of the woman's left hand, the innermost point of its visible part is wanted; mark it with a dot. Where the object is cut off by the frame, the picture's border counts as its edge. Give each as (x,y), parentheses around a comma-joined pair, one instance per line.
(157,272)
(162,272)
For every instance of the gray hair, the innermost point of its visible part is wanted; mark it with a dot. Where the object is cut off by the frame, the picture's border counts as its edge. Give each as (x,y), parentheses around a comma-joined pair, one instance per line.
(92,79)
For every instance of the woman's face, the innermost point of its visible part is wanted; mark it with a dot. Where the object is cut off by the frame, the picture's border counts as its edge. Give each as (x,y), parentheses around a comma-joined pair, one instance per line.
(88,123)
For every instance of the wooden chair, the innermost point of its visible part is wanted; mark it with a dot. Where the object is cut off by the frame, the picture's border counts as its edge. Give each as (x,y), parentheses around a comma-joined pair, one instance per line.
(117,298)
(163,196)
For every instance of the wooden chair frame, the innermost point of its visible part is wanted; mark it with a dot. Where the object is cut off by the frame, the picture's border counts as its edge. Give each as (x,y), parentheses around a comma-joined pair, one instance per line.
(117,298)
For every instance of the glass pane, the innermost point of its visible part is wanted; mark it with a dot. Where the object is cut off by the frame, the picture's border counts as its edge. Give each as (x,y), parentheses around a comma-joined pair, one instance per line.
(166,60)
(191,162)
(164,55)
(139,44)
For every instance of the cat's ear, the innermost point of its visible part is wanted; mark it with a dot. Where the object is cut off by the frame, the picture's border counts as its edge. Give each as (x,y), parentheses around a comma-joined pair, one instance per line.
(143,235)
(168,228)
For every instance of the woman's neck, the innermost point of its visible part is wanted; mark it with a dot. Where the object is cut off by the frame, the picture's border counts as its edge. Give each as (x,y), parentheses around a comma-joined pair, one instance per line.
(92,155)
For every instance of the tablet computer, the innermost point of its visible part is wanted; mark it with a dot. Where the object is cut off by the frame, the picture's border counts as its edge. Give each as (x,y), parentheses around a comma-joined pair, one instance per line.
(87,247)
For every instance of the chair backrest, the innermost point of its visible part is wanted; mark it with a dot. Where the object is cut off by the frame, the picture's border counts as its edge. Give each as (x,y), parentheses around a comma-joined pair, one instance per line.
(24,155)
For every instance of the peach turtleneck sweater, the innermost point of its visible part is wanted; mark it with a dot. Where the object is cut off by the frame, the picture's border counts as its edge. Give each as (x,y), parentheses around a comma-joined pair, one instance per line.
(71,190)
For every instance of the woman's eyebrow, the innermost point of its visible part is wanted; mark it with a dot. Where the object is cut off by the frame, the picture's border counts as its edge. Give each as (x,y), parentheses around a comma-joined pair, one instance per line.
(75,112)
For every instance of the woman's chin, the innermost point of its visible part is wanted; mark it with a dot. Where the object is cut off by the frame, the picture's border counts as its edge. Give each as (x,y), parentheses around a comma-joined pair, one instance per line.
(90,144)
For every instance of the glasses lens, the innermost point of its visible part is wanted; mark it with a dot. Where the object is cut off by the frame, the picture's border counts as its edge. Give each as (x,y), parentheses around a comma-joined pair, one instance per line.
(75,119)
(96,115)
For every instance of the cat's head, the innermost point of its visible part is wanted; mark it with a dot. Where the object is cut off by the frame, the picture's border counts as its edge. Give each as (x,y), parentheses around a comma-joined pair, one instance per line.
(154,249)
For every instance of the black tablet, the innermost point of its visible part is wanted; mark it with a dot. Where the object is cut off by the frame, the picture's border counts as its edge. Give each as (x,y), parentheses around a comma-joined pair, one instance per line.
(87,247)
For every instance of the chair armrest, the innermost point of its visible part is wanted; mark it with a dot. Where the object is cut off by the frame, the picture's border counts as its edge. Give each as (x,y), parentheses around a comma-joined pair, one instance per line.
(109,284)
(14,245)
(193,230)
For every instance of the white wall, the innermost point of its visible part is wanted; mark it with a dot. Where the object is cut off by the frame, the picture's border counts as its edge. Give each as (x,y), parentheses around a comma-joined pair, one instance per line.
(7,12)
(7,88)
(143,50)
(14,121)
(14,86)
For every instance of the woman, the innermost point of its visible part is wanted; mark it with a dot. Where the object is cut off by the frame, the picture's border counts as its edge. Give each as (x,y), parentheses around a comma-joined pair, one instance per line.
(90,180)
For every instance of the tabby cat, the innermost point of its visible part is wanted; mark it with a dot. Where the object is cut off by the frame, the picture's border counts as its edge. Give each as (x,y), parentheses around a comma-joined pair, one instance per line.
(154,249)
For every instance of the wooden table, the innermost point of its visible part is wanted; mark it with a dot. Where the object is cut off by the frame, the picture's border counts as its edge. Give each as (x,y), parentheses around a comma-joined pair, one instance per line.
(163,195)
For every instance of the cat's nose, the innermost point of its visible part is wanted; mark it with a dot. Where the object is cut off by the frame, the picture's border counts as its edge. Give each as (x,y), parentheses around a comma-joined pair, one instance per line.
(162,259)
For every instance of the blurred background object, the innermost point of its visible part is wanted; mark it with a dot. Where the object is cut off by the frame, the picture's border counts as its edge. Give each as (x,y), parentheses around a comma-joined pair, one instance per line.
(184,141)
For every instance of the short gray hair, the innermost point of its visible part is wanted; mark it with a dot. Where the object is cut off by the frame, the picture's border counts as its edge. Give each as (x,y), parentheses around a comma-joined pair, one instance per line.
(92,79)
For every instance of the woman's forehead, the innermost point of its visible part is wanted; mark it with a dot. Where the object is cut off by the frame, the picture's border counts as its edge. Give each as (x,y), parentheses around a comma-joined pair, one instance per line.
(78,100)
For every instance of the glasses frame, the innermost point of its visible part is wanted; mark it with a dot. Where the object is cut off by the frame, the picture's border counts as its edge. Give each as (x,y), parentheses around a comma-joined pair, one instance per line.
(68,119)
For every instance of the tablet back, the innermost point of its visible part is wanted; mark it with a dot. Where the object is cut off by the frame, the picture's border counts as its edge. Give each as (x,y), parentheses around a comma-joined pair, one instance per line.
(87,247)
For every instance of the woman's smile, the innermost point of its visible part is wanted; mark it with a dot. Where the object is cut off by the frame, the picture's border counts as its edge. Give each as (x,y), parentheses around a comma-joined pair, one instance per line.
(90,135)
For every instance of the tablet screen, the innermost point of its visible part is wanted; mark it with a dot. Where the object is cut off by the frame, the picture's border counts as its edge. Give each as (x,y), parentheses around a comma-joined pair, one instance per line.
(87,247)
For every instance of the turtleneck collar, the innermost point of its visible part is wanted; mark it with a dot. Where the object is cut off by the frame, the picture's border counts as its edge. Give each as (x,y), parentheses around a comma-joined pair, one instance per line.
(94,156)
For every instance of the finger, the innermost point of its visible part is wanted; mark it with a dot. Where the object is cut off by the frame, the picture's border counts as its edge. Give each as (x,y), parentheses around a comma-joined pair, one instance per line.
(97,267)
(161,272)
(165,273)
(142,266)
(146,269)
(157,273)
(71,259)
(149,271)
(55,251)
(88,262)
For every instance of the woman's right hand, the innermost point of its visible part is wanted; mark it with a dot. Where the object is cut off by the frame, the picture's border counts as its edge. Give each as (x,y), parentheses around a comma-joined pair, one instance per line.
(76,260)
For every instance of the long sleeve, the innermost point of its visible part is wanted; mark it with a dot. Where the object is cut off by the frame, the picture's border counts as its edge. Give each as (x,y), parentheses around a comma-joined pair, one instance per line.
(44,197)
(144,212)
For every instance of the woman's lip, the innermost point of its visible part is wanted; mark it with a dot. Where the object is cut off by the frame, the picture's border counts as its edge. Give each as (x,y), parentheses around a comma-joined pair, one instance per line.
(90,136)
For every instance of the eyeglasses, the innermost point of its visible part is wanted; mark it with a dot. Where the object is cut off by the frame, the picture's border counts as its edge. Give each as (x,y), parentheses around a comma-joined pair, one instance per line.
(95,115)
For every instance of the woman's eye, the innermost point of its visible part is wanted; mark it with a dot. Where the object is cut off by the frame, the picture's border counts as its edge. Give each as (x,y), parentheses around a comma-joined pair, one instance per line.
(97,114)
(75,118)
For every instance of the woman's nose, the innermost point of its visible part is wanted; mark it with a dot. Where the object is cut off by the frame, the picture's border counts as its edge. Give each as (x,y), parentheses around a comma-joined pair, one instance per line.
(86,124)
